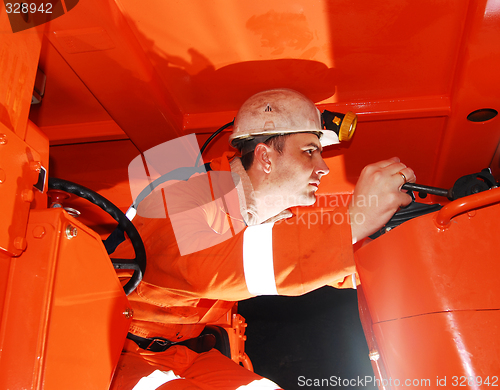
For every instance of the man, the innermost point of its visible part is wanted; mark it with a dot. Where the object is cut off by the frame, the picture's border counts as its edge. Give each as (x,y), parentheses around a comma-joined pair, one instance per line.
(222,240)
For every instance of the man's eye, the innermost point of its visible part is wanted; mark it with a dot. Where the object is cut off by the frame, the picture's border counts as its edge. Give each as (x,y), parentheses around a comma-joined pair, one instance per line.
(309,152)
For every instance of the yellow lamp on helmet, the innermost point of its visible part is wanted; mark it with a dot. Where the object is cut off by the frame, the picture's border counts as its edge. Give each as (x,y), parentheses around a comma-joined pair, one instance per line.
(343,125)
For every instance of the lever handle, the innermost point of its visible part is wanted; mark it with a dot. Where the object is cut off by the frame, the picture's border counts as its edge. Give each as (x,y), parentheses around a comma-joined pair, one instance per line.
(427,189)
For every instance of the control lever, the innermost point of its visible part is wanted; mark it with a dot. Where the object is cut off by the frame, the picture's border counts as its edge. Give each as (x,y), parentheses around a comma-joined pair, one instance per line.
(424,190)
(466,185)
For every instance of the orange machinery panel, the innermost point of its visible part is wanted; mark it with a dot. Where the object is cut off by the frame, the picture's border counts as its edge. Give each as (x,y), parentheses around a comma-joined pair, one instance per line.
(65,315)
(432,291)
(19,168)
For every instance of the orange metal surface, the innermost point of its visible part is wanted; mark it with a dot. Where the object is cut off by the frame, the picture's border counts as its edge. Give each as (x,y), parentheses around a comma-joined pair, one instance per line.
(19,167)
(96,42)
(417,268)
(378,364)
(457,349)
(39,142)
(234,325)
(467,145)
(19,55)
(4,274)
(19,163)
(433,293)
(460,206)
(101,166)
(63,322)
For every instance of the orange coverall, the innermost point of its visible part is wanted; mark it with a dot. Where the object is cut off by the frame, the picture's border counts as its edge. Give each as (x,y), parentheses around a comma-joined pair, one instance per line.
(204,254)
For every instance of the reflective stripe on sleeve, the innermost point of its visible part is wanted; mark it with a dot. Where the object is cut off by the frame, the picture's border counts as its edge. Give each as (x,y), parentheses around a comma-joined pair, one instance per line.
(258,259)
(155,380)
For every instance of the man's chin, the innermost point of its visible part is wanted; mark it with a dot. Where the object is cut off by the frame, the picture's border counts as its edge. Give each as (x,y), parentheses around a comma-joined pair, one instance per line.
(307,200)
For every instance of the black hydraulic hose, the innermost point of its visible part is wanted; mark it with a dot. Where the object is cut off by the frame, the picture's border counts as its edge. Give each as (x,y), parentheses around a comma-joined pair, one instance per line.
(210,140)
(123,223)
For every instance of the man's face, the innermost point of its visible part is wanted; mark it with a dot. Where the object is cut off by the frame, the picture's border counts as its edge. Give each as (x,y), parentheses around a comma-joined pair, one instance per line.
(297,172)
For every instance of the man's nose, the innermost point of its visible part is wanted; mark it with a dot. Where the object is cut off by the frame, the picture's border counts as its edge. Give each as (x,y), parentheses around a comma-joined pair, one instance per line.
(321,168)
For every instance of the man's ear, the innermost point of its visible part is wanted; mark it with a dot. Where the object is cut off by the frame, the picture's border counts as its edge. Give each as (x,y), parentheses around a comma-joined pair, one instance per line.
(262,154)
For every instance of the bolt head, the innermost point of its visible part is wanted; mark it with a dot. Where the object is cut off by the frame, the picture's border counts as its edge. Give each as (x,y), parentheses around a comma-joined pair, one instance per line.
(71,232)
(27,196)
(20,243)
(38,231)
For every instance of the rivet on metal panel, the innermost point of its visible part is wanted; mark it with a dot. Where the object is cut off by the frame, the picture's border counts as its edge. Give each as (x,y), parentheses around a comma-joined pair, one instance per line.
(27,196)
(3,176)
(71,232)
(128,313)
(20,243)
(3,139)
(374,355)
(38,231)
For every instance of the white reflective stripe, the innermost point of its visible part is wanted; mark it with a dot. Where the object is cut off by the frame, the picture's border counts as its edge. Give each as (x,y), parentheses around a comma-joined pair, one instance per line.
(155,380)
(258,259)
(264,384)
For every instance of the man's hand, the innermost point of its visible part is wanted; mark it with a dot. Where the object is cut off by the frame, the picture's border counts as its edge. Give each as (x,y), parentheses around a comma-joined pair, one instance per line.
(377,196)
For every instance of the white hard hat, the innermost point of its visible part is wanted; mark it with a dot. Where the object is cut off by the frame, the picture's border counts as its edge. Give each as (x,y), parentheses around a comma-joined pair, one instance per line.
(276,112)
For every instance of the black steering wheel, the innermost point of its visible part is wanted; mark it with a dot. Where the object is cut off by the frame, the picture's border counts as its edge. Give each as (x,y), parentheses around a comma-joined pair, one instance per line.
(138,264)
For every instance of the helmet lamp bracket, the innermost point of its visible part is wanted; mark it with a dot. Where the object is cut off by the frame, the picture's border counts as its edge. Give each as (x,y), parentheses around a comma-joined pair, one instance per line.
(343,125)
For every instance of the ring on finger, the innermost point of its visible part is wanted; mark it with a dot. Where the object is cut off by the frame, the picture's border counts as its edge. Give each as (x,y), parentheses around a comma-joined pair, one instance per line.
(403,176)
